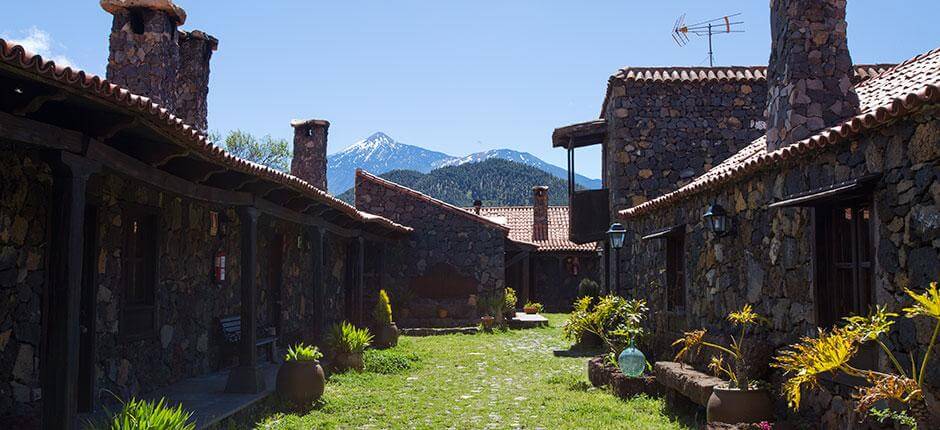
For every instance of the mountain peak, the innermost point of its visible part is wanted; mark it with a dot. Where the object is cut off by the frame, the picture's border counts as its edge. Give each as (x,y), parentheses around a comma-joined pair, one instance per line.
(373,142)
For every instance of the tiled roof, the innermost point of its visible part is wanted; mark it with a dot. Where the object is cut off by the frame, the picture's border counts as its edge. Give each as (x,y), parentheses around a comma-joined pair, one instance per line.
(93,87)
(884,97)
(519,221)
(362,175)
(710,74)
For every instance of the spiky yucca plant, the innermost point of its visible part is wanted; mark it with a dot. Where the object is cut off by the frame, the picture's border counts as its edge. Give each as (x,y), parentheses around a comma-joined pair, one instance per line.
(138,414)
(833,349)
(693,341)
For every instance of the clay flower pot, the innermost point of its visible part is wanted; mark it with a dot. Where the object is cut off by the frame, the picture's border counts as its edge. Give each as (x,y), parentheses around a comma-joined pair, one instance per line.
(442,313)
(733,406)
(487,322)
(531,310)
(348,360)
(300,382)
(386,336)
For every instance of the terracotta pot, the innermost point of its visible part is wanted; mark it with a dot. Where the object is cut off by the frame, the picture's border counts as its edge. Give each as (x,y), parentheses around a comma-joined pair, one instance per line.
(733,406)
(487,322)
(300,382)
(530,310)
(348,360)
(386,336)
(442,313)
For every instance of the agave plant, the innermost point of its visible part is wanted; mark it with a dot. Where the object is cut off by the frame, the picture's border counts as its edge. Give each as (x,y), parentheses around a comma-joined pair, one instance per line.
(302,352)
(693,341)
(138,414)
(804,362)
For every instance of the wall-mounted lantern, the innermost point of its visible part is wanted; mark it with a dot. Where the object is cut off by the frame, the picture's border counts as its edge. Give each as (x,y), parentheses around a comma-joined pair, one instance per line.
(717,220)
(616,235)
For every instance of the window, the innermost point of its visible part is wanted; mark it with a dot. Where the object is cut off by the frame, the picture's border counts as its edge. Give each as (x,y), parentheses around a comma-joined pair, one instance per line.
(138,317)
(675,272)
(843,262)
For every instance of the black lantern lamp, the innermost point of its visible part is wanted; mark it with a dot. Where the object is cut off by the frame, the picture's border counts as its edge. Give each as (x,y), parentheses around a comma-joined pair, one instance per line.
(717,220)
(616,234)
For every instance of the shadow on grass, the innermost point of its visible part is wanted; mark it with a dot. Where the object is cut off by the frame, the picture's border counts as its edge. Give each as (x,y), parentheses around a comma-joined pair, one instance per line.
(577,352)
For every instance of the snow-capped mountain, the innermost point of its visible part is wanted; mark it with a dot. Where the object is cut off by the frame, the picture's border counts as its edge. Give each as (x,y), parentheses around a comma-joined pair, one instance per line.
(379,153)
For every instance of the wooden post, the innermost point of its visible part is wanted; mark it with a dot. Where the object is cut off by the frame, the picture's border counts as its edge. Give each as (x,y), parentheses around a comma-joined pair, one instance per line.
(246,377)
(316,268)
(526,279)
(360,277)
(61,352)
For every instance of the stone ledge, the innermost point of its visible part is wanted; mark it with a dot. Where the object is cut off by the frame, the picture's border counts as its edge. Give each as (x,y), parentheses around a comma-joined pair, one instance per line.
(695,385)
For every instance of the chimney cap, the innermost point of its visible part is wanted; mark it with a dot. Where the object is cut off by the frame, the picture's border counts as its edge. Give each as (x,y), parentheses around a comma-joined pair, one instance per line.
(308,122)
(540,187)
(176,12)
(197,34)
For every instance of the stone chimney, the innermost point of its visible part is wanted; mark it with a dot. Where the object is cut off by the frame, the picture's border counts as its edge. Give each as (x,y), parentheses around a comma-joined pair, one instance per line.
(477,206)
(309,161)
(539,213)
(144,50)
(192,79)
(810,72)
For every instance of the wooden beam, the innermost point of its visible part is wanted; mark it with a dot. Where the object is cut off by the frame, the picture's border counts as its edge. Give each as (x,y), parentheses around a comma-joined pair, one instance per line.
(37,102)
(115,127)
(127,165)
(26,131)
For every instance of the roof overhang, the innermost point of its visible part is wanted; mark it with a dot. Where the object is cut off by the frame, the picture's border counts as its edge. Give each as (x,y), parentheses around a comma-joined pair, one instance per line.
(581,134)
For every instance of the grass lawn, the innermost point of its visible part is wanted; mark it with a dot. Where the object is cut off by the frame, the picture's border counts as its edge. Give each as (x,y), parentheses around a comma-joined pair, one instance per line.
(502,380)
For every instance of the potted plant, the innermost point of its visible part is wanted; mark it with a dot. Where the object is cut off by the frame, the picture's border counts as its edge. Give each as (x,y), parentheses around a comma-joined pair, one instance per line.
(348,342)
(491,306)
(831,352)
(509,307)
(300,380)
(741,400)
(532,308)
(386,332)
(401,298)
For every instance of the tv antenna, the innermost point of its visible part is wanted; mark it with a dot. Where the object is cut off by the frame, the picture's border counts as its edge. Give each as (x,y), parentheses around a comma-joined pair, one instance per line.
(723,25)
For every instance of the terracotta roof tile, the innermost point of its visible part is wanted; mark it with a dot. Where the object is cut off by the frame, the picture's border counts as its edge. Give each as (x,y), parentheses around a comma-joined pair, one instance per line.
(886,95)
(519,220)
(366,176)
(91,86)
(709,74)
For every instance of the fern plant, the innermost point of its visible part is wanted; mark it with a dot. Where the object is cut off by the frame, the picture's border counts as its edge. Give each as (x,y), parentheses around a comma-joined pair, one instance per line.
(146,415)
(347,338)
(383,310)
(301,352)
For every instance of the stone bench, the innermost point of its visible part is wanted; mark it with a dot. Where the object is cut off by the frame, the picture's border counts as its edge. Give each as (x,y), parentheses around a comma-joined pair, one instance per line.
(684,379)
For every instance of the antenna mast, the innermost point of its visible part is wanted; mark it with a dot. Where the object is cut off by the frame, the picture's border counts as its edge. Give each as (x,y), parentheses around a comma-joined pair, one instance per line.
(709,28)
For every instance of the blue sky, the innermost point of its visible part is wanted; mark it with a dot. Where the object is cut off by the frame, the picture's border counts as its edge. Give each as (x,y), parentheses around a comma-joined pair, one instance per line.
(453,76)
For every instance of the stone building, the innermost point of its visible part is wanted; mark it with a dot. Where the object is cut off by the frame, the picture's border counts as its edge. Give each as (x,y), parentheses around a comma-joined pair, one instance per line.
(551,271)
(827,171)
(452,257)
(126,237)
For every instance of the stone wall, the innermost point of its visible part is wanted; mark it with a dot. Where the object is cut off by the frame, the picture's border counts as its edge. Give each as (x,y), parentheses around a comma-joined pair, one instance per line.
(767,260)
(663,134)
(192,78)
(186,340)
(144,54)
(556,287)
(24,189)
(444,245)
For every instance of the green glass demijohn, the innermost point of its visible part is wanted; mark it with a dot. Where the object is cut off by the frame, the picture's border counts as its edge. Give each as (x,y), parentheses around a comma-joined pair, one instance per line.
(632,361)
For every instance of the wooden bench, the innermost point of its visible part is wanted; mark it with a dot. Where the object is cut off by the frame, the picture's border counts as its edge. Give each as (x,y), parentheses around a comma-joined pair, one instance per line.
(685,380)
(232,333)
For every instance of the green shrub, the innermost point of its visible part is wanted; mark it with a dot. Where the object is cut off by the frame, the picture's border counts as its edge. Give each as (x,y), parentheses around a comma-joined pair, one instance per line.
(383,309)
(347,338)
(147,415)
(389,361)
(510,299)
(576,326)
(301,352)
(617,321)
(588,288)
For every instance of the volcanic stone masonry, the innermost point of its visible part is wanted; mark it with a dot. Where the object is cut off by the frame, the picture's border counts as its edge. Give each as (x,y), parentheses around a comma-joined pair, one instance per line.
(466,255)
(309,162)
(810,73)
